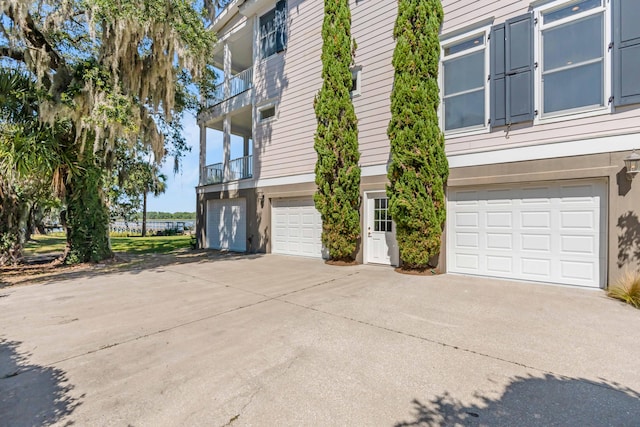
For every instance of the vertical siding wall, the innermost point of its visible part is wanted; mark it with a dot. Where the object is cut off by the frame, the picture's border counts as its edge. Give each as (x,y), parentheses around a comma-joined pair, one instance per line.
(460,14)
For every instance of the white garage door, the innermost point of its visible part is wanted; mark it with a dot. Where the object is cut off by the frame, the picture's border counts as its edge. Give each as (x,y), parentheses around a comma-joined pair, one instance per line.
(227,224)
(548,232)
(297,228)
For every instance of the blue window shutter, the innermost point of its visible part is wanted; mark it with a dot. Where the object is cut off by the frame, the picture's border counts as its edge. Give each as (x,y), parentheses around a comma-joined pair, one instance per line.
(498,73)
(519,69)
(626,55)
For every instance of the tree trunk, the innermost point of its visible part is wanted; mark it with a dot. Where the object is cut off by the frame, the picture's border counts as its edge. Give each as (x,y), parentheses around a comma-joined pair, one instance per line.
(144,214)
(10,247)
(87,216)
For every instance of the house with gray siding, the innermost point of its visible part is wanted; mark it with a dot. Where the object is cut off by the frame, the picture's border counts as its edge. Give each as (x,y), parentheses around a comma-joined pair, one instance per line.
(540,107)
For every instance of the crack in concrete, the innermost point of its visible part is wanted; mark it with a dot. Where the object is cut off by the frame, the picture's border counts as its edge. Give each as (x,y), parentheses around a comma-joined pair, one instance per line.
(446,345)
(236,416)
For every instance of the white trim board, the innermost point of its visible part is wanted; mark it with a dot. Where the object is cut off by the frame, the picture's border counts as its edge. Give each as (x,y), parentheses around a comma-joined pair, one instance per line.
(508,155)
(547,151)
(283,180)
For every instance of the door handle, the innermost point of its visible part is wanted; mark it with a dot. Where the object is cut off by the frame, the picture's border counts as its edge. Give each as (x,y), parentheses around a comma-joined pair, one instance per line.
(369,231)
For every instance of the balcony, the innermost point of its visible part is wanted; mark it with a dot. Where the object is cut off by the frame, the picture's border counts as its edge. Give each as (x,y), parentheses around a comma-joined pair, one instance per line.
(239,83)
(240,168)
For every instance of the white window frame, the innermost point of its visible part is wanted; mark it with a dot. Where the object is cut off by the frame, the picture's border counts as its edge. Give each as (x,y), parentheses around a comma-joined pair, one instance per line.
(266,106)
(445,42)
(356,73)
(259,34)
(581,112)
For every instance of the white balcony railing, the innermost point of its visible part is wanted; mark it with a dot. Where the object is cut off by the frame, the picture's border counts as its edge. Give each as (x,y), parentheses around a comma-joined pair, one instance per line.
(240,168)
(214,174)
(239,83)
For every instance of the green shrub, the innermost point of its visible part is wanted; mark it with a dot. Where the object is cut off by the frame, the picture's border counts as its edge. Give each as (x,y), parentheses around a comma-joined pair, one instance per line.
(627,289)
(336,141)
(418,170)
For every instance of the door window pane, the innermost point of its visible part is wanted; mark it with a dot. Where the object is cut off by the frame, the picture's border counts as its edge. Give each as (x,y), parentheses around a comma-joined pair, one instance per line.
(381,218)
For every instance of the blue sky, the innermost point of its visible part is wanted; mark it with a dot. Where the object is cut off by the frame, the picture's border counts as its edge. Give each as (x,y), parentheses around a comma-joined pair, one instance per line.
(181,194)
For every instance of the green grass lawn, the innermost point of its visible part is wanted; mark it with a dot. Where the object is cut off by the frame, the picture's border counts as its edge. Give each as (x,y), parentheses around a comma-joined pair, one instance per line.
(132,245)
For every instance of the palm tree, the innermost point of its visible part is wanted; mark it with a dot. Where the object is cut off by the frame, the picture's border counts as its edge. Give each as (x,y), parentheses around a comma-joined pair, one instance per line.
(156,184)
(32,157)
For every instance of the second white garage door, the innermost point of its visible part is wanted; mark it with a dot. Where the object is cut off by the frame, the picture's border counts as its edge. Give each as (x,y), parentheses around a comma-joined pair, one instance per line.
(297,228)
(548,232)
(227,224)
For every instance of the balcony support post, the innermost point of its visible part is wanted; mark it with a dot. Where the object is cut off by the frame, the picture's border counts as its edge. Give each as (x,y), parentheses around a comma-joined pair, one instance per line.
(245,147)
(227,70)
(226,145)
(203,154)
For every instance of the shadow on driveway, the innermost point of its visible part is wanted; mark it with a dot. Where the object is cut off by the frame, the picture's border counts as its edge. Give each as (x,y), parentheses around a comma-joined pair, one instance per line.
(31,395)
(534,401)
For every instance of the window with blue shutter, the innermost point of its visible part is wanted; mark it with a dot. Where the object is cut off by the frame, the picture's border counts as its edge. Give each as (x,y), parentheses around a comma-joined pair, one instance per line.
(273,30)
(464,78)
(572,60)
(512,71)
(626,52)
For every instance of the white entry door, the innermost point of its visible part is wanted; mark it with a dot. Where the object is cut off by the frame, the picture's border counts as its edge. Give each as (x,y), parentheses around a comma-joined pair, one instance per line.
(381,246)
(227,224)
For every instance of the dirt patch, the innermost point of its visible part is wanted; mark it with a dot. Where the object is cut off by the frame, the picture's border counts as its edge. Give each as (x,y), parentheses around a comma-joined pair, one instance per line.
(418,271)
(340,263)
(35,270)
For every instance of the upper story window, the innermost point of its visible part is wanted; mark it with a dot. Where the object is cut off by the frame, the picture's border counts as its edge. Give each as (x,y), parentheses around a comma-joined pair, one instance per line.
(273,30)
(572,56)
(464,78)
(356,81)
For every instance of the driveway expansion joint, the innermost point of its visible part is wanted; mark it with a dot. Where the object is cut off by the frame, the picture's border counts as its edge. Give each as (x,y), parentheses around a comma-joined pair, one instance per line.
(451,346)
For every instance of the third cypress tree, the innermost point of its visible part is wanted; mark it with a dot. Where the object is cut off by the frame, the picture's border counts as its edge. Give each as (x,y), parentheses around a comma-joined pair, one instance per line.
(336,142)
(418,169)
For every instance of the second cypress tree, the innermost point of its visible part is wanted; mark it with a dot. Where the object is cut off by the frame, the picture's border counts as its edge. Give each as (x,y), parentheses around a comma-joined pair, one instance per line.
(336,141)
(418,169)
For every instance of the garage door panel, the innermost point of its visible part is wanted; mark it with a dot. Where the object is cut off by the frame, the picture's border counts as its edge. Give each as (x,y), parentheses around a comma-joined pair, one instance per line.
(467,240)
(536,267)
(577,193)
(467,219)
(499,264)
(226,224)
(537,220)
(585,220)
(552,233)
(535,242)
(299,227)
(467,262)
(499,241)
(499,219)
(578,244)
(577,270)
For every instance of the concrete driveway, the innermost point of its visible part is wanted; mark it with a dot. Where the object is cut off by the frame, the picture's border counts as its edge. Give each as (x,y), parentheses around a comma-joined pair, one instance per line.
(275,341)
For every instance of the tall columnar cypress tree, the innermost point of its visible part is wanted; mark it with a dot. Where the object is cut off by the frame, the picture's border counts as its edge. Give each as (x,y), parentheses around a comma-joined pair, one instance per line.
(336,142)
(418,170)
